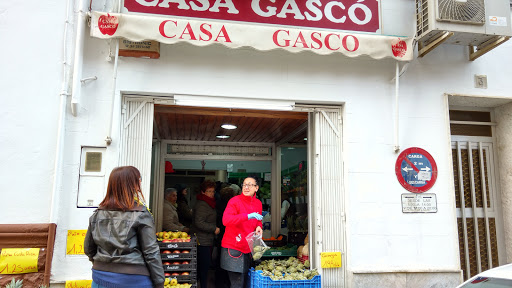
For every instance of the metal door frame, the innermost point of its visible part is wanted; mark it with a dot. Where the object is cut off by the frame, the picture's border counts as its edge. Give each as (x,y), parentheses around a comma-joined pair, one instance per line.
(315,202)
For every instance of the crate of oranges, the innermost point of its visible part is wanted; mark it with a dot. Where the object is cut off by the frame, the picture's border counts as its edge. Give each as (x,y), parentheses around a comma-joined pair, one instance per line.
(276,242)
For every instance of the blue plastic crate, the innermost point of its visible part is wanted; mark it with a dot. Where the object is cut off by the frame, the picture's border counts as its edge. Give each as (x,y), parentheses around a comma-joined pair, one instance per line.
(260,281)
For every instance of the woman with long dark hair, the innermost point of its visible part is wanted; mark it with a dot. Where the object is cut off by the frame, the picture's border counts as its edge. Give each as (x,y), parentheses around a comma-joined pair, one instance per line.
(121,241)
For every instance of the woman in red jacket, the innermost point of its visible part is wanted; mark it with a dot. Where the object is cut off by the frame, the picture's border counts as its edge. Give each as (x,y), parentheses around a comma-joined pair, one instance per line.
(241,217)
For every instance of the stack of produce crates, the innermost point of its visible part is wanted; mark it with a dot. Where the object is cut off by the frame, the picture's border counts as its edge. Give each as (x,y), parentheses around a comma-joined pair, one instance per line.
(179,260)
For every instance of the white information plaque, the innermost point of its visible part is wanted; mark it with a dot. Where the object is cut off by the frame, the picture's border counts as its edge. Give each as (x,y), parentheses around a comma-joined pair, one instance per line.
(419,203)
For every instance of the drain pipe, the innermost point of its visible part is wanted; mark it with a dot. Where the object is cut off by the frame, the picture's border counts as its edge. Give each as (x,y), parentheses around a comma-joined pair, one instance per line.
(398,73)
(397,121)
(108,139)
(79,58)
(59,149)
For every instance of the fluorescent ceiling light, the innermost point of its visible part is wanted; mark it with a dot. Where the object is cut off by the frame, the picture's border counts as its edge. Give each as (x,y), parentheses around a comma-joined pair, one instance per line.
(222,136)
(229,102)
(228,126)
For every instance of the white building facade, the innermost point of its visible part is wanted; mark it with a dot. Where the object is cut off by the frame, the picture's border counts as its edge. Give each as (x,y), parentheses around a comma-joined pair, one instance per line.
(73,95)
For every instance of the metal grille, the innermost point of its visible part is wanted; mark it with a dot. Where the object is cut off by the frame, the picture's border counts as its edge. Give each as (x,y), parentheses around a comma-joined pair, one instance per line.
(456,177)
(462,251)
(329,212)
(478,242)
(484,259)
(472,11)
(136,141)
(421,17)
(477,178)
(494,242)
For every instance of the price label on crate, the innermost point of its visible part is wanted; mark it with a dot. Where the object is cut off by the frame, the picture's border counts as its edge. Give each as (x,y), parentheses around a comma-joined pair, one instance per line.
(78,283)
(75,242)
(330,259)
(18,260)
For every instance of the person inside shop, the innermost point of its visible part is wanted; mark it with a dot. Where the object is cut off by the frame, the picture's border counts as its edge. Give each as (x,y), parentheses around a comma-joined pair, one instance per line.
(287,213)
(241,217)
(285,205)
(266,221)
(123,255)
(185,214)
(236,188)
(170,220)
(221,275)
(205,227)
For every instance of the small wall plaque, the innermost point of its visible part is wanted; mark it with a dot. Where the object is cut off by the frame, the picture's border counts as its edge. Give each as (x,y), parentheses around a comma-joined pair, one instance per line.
(143,49)
(419,203)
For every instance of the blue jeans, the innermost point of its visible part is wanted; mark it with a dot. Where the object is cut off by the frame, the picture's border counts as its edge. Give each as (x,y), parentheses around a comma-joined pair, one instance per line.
(94,285)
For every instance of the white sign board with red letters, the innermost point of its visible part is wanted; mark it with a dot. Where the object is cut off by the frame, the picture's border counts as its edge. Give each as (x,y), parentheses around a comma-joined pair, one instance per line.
(203,32)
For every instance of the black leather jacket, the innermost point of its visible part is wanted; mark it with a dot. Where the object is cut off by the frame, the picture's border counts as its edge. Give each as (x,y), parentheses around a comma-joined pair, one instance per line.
(124,242)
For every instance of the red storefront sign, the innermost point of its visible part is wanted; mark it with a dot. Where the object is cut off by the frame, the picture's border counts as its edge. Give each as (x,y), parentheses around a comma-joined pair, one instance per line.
(348,15)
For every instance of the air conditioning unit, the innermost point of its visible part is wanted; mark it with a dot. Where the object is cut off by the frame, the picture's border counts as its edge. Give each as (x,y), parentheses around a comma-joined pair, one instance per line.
(480,24)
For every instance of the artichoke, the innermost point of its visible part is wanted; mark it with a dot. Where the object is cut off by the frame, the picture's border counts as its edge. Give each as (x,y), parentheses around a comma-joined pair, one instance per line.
(307,273)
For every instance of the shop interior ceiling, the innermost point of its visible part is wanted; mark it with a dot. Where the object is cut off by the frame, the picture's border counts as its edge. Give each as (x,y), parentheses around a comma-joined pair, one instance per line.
(204,124)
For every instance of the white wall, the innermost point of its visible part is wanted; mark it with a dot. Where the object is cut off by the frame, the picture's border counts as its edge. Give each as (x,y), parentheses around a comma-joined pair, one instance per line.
(89,128)
(378,229)
(31,75)
(380,237)
(504,138)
